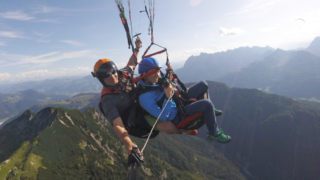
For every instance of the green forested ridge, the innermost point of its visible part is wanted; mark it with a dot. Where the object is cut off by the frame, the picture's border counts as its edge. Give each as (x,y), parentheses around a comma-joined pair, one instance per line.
(69,144)
(273,137)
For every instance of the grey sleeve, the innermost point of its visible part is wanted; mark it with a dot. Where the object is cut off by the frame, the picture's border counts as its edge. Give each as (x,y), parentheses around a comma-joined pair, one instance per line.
(110,110)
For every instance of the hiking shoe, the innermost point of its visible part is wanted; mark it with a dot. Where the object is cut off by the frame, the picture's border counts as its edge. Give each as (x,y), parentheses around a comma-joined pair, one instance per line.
(217,112)
(220,137)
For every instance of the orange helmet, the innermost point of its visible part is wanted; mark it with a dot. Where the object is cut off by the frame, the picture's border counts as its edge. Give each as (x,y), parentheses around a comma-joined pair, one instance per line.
(102,67)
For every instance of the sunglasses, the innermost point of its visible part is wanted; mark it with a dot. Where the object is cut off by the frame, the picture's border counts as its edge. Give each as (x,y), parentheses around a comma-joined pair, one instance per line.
(108,74)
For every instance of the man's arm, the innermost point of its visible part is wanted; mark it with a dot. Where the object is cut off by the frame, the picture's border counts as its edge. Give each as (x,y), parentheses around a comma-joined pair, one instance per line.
(133,61)
(123,134)
(147,102)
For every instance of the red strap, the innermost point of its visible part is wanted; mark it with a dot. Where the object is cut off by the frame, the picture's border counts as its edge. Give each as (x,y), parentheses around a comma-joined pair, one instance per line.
(109,91)
(145,52)
(105,91)
(125,75)
(123,20)
(188,120)
(159,52)
(152,71)
(193,99)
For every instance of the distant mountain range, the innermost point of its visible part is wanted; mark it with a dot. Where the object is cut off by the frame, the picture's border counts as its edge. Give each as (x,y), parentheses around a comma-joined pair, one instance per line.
(63,86)
(290,73)
(12,104)
(214,66)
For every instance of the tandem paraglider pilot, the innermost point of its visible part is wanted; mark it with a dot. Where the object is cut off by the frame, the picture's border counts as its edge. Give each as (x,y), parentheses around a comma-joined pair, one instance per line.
(115,100)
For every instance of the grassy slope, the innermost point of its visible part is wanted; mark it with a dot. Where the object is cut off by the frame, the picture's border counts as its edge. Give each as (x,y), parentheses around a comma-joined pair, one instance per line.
(82,146)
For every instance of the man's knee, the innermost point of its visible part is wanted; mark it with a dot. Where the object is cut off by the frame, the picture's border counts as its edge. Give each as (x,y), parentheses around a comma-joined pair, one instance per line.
(167,127)
(204,84)
(207,103)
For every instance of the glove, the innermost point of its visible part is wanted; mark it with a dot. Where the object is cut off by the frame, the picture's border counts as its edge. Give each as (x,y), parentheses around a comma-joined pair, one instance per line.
(135,158)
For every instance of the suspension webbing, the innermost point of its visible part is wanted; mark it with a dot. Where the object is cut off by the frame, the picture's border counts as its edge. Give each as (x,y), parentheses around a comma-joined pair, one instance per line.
(154,125)
(130,16)
(125,24)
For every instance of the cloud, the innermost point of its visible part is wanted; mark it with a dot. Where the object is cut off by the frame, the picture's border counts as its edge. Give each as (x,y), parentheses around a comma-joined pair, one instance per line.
(9,34)
(72,42)
(5,77)
(22,16)
(47,58)
(230,31)
(2,43)
(16,15)
(42,37)
(6,58)
(45,9)
(41,74)
(255,6)
(54,21)
(269,29)
(55,56)
(194,2)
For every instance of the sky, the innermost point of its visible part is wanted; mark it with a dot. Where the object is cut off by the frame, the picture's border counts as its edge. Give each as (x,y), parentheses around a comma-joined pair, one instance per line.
(44,39)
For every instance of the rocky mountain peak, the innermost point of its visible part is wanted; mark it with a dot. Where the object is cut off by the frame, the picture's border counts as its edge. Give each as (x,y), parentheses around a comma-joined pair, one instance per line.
(314,47)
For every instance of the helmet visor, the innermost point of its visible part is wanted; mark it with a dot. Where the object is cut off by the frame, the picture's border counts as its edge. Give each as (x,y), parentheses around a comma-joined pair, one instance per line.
(106,70)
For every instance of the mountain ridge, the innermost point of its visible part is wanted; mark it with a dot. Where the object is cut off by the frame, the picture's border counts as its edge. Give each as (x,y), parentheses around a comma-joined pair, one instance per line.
(289,73)
(69,144)
(220,63)
(314,46)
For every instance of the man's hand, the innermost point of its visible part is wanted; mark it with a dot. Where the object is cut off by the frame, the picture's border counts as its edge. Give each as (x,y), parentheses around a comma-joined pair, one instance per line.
(169,91)
(133,61)
(135,156)
(138,43)
(169,67)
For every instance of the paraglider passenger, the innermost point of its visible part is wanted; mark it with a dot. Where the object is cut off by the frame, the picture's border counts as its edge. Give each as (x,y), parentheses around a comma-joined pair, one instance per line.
(153,101)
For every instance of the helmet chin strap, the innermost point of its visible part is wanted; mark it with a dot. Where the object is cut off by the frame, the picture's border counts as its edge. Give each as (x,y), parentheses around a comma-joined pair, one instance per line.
(109,86)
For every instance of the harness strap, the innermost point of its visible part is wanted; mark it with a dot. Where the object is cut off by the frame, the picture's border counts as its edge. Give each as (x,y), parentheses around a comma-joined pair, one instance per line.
(109,91)
(159,52)
(105,91)
(152,71)
(188,120)
(152,54)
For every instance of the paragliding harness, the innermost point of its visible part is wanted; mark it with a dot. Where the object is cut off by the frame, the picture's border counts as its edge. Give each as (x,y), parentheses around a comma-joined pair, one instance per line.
(133,118)
(187,122)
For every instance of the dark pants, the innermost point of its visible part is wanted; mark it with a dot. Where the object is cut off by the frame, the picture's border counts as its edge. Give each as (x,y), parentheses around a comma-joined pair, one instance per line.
(205,106)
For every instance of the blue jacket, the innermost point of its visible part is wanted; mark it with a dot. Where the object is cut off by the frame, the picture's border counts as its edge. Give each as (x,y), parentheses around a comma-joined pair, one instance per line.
(148,102)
